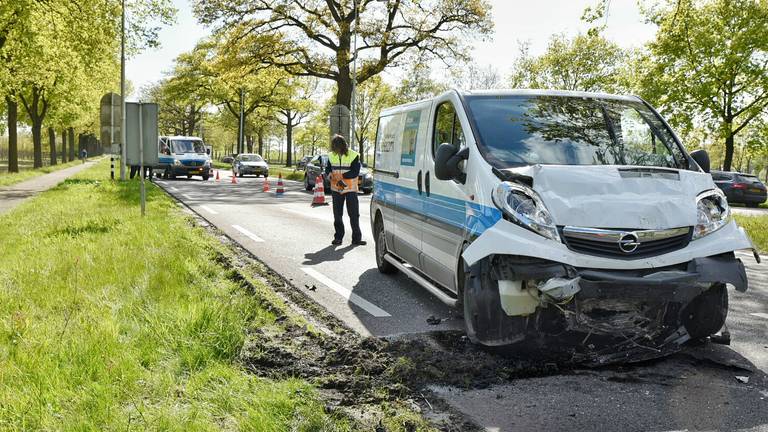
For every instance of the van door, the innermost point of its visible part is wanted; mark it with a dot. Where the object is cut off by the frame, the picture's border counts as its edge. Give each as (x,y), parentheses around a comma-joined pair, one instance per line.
(444,201)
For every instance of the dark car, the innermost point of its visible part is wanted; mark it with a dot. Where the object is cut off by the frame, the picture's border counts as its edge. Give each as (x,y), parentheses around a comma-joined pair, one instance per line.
(302,163)
(316,167)
(740,188)
(250,163)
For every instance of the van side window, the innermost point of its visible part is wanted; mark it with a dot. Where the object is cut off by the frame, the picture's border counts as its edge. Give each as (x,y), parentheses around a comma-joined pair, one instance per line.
(447,127)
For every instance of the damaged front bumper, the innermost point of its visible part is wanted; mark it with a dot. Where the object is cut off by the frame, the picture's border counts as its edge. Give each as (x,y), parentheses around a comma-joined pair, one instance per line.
(603,316)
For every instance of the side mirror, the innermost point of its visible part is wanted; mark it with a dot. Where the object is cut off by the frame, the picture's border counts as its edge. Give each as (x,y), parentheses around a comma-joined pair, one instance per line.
(447,159)
(702,159)
(364,165)
(208,151)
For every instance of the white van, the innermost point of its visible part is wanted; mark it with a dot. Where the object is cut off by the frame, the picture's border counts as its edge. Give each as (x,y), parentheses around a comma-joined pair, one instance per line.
(184,156)
(543,212)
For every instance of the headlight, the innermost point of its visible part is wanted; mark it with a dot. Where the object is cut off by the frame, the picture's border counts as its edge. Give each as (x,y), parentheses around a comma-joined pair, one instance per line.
(524,207)
(712,213)
(177,162)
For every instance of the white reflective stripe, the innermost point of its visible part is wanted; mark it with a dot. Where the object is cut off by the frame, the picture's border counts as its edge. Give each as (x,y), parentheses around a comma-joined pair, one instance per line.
(209,210)
(248,234)
(760,315)
(347,294)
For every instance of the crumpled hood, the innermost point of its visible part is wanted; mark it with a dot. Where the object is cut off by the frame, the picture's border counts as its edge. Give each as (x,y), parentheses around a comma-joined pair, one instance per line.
(600,196)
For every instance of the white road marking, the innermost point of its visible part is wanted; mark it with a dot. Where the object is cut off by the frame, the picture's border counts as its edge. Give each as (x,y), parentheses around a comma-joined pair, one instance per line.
(187,196)
(209,210)
(760,315)
(347,294)
(173,188)
(309,212)
(248,234)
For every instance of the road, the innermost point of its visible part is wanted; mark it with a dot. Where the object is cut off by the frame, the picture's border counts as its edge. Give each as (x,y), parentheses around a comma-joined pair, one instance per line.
(748,211)
(695,391)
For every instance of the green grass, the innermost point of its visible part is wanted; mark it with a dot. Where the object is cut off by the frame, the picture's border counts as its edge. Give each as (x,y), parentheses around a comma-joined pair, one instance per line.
(221,165)
(757,227)
(8,179)
(113,322)
(289,173)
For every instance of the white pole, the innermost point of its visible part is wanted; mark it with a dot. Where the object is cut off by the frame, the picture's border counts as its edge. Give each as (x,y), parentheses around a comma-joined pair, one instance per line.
(241,126)
(122,95)
(354,81)
(141,157)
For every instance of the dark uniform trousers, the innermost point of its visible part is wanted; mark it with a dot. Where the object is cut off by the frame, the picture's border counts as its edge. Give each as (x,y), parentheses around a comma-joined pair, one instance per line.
(353,210)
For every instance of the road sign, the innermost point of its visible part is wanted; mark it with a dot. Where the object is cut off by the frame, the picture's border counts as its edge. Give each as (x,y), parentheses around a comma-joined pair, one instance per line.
(110,118)
(339,121)
(132,138)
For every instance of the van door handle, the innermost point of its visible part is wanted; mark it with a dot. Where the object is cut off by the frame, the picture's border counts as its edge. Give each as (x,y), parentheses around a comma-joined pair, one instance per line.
(418,181)
(426,183)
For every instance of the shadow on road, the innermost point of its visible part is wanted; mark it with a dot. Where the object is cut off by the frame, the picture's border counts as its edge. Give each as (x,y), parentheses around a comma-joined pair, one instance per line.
(328,253)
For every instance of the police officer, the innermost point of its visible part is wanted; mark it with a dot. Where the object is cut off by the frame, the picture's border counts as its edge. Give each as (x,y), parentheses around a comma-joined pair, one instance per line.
(343,169)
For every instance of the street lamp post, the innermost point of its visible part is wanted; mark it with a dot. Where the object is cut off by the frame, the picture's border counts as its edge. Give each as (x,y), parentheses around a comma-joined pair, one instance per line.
(122,94)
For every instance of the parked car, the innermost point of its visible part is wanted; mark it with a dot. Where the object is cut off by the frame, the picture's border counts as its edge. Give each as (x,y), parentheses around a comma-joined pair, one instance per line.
(228,159)
(250,163)
(183,156)
(552,213)
(316,166)
(302,163)
(741,188)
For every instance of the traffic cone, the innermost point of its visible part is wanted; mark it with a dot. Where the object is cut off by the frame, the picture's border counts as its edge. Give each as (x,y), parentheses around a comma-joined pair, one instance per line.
(265,188)
(234,179)
(217,176)
(279,190)
(319,198)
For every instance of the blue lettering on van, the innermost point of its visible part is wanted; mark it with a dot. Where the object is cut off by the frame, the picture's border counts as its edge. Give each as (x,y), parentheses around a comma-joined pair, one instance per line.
(473,217)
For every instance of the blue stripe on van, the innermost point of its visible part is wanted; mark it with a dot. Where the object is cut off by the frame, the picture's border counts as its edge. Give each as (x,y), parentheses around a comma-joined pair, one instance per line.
(473,217)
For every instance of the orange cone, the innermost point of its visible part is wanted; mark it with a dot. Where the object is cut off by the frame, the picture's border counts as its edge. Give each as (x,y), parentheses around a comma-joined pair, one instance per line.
(265,188)
(234,179)
(319,197)
(279,190)
(217,176)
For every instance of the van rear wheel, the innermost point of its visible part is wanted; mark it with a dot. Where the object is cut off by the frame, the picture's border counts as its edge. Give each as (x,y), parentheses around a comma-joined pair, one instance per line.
(382,264)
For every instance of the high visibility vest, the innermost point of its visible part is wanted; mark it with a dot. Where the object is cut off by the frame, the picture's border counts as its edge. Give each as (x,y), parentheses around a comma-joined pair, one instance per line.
(339,165)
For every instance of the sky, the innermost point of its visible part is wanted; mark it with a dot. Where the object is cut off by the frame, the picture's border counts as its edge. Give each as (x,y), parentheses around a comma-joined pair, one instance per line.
(515,21)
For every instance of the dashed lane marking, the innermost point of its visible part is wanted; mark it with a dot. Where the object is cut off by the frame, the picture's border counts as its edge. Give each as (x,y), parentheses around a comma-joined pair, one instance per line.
(760,315)
(347,294)
(209,210)
(248,234)
(187,196)
(173,188)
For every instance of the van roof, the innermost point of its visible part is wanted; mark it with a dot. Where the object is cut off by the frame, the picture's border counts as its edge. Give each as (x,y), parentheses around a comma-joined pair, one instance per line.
(511,92)
(179,137)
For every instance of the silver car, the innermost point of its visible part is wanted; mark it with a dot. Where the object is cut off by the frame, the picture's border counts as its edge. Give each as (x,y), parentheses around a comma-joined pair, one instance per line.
(250,163)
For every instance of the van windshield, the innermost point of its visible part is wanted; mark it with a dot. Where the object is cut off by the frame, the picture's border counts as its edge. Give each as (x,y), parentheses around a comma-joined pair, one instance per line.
(562,130)
(188,146)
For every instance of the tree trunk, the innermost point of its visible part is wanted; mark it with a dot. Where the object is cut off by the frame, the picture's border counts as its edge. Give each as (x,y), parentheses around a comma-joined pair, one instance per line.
(249,143)
(344,88)
(52,144)
(13,137)
(260,137)
(71,139)
(728,151)
(288,141)
(64,146)
(37,143)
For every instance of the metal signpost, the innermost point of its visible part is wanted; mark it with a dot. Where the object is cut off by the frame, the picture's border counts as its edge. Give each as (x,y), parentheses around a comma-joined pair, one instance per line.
(110,117)
(141,139)
(339,121)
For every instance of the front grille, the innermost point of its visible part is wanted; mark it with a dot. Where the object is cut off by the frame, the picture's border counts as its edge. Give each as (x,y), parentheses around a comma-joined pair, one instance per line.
(192,163)
(605,242)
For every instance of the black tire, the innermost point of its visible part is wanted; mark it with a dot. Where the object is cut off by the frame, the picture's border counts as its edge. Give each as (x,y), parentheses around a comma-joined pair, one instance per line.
(753,205)
(706,314)
(367,191)
(485,321)
(307,186)
(240,175)
(205,178)
(189,176)
(384,266)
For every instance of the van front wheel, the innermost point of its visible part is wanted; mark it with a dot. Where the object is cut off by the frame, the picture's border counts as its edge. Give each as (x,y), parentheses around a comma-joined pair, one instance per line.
(382,264)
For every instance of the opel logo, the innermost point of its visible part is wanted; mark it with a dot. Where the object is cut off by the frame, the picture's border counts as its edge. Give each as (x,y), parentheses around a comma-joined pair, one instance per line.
(628,242)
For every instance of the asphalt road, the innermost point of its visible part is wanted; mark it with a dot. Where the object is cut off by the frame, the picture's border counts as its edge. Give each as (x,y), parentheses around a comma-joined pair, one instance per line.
(697,390)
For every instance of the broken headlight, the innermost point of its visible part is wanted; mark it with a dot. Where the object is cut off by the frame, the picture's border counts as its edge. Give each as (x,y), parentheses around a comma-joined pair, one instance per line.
(523,206)
(712,213)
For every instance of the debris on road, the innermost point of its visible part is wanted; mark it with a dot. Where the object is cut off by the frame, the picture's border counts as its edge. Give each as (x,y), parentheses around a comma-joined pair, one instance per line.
(742,379)
(432,320)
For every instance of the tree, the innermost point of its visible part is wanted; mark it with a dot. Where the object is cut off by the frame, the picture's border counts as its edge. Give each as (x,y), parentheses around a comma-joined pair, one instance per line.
(709,58)
(314,134)
(315,37)
(181,109)
(294,108)
(417,83)
(588,62)
(470,76)
(373,96)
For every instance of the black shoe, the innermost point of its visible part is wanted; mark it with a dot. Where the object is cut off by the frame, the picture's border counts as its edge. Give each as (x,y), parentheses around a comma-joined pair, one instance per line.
(336,242)
(359,242)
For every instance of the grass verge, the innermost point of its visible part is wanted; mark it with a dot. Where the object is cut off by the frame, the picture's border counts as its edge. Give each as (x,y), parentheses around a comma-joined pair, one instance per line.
(757,227)
(110,321)
(289,173)
(8,179)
